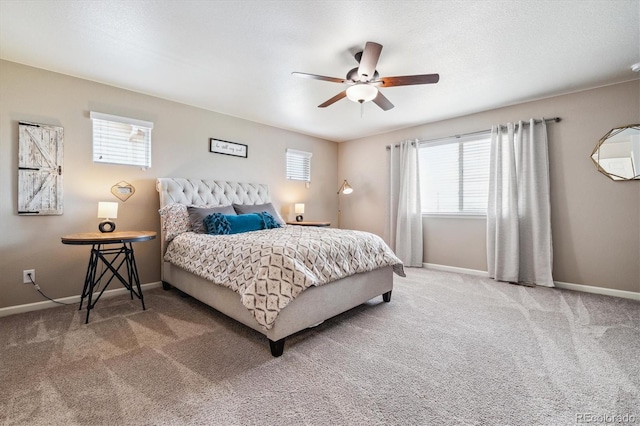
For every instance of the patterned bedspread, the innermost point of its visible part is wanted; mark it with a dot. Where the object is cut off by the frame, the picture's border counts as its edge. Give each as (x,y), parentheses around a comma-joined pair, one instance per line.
(269,268)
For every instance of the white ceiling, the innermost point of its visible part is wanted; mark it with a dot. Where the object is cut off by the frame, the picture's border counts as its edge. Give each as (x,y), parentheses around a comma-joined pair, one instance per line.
(236,57)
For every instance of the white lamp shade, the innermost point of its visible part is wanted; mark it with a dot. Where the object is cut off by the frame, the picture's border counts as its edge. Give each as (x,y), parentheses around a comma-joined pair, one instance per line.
(107,210)
(299,208)
(345,188)
(362,92)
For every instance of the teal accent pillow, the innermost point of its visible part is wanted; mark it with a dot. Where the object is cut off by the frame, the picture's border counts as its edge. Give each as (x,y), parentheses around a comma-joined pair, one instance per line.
(197,215)
(269,221)
(222,224)
(258,208)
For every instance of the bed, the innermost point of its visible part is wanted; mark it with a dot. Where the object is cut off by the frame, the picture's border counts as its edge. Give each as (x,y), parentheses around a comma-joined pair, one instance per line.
(259,285)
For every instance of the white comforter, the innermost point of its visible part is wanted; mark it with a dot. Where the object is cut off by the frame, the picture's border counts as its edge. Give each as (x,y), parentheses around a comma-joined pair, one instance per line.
(269,268)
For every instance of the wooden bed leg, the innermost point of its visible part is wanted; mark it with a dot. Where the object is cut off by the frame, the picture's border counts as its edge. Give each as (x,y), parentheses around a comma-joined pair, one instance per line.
(277,347)
(166,285)
(387,296)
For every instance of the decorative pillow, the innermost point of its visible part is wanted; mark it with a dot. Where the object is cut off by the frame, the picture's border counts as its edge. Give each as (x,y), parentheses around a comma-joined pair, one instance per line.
(259,208)
(197,215)
(221,224)
(269,221)
(175,220)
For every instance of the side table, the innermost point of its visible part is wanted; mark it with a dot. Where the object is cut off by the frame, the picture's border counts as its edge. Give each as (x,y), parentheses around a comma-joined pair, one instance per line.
(112,258)
(322,224)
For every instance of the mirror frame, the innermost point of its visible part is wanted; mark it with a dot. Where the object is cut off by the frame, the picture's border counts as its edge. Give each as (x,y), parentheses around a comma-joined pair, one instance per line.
(602,140)
(123,190)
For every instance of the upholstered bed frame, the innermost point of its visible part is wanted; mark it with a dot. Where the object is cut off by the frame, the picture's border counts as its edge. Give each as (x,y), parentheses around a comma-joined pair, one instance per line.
(311,307)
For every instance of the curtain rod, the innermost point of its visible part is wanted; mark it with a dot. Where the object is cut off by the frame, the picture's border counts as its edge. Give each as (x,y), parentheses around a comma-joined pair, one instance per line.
(554,119)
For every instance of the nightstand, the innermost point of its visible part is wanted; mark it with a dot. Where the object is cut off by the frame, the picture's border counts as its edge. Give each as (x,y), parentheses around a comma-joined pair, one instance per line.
(321,224)
(112,258)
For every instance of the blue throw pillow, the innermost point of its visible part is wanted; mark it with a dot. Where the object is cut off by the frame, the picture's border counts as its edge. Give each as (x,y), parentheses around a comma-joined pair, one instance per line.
(222,224)
(258,208)
(197,215)
(269,221)
(216,224)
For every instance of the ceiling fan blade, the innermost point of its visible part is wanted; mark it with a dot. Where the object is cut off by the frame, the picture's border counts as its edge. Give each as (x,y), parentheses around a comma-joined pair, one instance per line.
(369,60)
(408,80)
(319,77)
(382,101)
(336,98)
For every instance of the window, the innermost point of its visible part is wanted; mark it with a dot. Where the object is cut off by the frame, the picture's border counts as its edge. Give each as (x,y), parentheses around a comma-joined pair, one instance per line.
(121,140)
(454,175)
(299,165)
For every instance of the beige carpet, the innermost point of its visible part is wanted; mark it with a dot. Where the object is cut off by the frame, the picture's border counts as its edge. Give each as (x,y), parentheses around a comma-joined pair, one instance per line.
(448,349)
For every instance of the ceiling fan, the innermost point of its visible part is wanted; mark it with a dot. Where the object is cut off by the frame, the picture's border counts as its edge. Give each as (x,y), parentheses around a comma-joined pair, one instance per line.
(364,80)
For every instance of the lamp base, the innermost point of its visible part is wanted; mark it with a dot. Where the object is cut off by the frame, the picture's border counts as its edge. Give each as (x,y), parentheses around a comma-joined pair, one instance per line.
(107,226)
(299,218)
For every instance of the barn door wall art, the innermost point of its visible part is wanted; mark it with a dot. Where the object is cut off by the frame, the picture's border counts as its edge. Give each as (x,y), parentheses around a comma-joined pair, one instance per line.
(40,169)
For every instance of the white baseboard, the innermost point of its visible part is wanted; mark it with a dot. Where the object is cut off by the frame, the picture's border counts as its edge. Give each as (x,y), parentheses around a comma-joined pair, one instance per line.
(11,310)
(456,269)
(559,284)
(599,290)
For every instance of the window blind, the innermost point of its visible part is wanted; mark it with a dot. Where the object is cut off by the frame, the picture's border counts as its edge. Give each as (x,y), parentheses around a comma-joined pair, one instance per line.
(121,140)
(454,175)
(298,165)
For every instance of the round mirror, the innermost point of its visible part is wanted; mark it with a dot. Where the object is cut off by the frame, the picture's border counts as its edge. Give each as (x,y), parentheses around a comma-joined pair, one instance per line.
(617,154)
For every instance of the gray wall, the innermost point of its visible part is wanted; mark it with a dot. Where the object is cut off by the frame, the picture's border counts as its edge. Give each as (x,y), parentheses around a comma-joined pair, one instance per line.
(179,149)
(595,221)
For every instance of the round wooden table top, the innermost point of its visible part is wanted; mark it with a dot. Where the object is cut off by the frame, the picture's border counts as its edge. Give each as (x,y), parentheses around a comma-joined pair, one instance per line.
(108,237)
(307,223)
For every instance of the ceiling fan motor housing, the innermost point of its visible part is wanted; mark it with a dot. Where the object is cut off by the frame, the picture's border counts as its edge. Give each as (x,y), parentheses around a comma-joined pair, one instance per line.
(354,77)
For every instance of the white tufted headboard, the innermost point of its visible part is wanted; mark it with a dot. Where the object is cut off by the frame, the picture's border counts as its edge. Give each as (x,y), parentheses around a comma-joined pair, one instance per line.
(205,192)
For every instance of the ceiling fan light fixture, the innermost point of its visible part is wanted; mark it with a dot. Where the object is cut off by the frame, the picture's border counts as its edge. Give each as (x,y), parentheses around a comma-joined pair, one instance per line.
(362,92)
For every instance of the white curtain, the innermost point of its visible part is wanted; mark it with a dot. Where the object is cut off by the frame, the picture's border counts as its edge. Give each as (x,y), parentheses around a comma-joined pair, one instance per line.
(519,245)
(405,223)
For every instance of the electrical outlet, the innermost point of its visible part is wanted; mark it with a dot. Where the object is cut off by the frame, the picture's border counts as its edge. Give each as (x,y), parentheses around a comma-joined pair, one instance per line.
(25,276)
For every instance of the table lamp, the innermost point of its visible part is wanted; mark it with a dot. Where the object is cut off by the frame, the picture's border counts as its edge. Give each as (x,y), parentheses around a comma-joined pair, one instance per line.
(299,209)
(107,210)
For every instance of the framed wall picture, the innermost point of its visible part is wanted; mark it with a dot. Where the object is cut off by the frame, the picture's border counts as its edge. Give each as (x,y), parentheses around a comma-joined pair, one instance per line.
(219,146)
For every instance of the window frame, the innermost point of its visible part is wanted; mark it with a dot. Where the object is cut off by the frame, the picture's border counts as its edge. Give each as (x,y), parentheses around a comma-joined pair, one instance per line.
(298,165)
(460,140)
(106,133)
